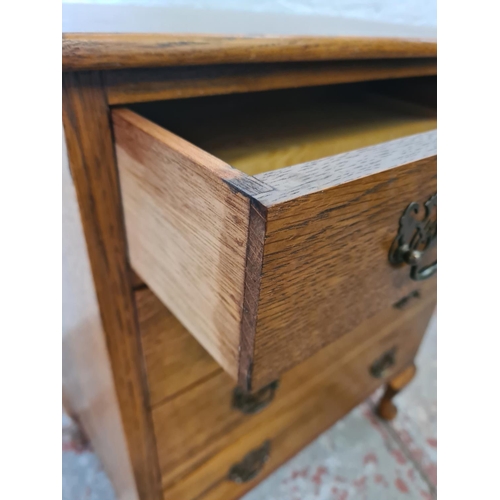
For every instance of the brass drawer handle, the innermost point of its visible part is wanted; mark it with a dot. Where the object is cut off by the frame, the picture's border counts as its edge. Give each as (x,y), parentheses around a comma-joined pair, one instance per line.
(402,303)
(382,365)
(251,464)
(251,403)
(414,238)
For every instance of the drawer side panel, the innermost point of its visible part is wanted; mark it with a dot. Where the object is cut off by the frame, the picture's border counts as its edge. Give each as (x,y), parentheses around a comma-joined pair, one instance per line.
(187,231)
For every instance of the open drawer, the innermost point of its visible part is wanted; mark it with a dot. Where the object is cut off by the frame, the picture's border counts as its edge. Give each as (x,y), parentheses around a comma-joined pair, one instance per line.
(272,224)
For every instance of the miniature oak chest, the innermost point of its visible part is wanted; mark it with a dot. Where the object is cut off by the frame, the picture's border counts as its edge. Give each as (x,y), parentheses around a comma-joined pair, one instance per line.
(260,216)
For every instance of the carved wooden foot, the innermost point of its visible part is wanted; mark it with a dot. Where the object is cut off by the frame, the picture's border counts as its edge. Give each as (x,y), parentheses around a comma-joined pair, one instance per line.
(386,409)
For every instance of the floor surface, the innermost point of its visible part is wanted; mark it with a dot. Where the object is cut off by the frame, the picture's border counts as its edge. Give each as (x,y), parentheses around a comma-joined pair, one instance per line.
(359,458)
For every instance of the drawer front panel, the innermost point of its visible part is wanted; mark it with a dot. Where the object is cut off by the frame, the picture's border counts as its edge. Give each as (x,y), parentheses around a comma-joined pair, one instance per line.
(200,433)
(326,265)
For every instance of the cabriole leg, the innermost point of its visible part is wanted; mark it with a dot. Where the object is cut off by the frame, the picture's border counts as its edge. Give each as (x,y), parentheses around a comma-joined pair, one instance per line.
(386,408)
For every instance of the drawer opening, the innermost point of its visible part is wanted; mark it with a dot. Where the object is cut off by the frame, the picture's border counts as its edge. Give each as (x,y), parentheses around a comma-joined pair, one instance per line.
(263,131)
(265,267)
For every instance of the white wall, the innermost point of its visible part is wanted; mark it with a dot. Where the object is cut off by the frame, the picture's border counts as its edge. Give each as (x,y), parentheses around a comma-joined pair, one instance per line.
(411,12)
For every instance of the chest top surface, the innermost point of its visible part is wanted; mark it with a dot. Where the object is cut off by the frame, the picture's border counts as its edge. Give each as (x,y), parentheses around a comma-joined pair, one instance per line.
(114,36)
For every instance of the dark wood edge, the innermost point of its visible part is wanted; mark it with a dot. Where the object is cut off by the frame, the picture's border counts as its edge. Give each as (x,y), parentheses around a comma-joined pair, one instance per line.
(142,85)
(251,293)
(92,161)
(98,51)
(249,187)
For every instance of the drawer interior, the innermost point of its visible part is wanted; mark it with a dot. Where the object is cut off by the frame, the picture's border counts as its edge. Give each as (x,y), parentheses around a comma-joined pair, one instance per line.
(263,131)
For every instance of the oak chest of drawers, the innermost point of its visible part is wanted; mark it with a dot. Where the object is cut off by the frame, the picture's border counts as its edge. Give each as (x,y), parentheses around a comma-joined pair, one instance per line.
(260,218)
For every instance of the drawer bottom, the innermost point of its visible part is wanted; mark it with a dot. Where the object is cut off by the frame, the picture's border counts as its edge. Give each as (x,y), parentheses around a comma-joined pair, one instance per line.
(210,448)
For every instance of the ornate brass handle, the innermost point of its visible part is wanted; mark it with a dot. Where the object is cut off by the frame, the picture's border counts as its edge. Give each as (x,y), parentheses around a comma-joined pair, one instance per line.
(251,464)
(414,238)
(251,403)
(382,365)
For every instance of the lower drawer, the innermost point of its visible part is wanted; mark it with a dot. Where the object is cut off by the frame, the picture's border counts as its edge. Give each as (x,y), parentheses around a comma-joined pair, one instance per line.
(203,430)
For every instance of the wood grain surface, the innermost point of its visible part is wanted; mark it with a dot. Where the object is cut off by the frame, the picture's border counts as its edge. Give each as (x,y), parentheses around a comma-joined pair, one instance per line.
(200,435)
(98,51)
(307,178)
(261,270)
(166,350)
(129,86)
(92,162)
(187,230)
(306,246)
(325,266)
(260,132)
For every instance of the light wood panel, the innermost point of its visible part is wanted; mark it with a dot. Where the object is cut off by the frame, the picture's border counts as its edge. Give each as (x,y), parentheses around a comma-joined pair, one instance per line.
(129,86)
(91,157)
(199,434)
(187,230)
(166,349)
(257,133)
(311,177)
(278,138)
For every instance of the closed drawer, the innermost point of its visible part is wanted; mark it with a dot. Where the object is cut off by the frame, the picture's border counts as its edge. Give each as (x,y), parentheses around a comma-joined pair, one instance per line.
(264,242)
(202,430)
